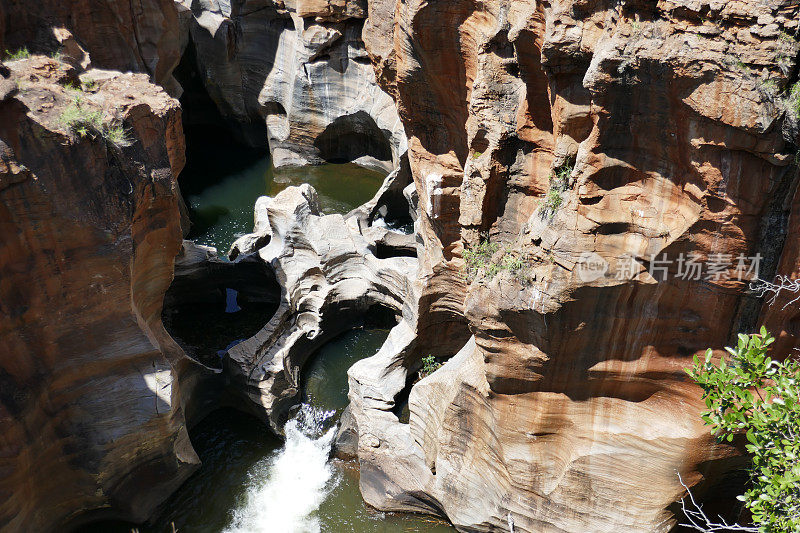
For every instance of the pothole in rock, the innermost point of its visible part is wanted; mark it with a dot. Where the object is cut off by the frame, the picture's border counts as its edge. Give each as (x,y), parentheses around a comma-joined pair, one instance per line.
(207,331)
(213,305)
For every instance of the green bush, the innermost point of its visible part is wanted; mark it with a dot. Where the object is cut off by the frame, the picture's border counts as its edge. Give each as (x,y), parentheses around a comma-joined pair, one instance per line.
(117,136)
(752,394)
(22,53)
(81,119)
(429,366)
(559,181)
(481,258)
(553,201)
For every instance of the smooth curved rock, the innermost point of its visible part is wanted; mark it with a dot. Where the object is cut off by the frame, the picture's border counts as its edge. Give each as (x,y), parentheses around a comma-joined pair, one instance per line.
(297,76)
(330,278)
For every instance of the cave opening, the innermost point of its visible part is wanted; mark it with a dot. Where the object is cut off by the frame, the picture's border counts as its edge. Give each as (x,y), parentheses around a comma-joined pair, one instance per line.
(355,137)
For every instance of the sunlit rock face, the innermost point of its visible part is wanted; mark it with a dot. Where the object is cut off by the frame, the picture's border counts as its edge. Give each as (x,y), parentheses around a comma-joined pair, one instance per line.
(296,75)
(90,410)
(335,272)
(569,408)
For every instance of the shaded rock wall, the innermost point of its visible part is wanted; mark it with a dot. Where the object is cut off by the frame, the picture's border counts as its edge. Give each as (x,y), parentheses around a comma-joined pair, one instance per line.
(91,416)
(569,409)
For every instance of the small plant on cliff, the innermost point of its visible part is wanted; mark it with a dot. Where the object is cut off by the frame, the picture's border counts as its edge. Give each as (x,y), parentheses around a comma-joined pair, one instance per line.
(81,119)
(787,37)
(559,181)
(479,257)
(429,366)
(552,202)
(752,394)
(483,258)
(794,98)
(22,53)
(117,136)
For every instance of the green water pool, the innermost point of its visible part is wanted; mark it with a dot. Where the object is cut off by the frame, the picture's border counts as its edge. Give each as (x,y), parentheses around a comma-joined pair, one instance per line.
(221,197)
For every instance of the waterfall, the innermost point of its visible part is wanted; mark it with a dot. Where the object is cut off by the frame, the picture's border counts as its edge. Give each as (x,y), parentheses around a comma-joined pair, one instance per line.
(285,490)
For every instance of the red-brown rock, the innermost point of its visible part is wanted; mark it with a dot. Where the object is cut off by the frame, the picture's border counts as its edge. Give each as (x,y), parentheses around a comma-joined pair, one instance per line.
(90,410)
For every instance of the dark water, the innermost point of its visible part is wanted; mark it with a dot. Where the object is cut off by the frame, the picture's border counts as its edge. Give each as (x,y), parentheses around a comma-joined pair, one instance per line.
(207,331)
(245,466)
(250,481)
(221,197)
(325,377)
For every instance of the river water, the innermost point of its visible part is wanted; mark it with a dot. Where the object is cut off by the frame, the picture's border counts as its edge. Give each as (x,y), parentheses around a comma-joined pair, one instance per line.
(220,194)
(250,481)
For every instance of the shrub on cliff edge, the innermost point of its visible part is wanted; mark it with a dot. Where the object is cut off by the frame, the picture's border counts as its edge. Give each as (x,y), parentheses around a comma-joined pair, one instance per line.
(82,120)
(481,259)
(752,394)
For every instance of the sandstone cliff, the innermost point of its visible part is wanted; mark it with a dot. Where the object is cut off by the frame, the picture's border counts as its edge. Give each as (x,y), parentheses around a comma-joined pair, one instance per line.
(555,130)
(567,134)
(147,37)
(89,228)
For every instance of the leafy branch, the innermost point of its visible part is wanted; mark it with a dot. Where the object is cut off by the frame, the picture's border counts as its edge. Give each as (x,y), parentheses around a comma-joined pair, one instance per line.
(753,394)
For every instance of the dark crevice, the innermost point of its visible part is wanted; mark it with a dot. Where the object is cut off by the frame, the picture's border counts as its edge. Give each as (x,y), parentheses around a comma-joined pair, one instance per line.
(201,114)
(772,237)
(215,146)
(385,250)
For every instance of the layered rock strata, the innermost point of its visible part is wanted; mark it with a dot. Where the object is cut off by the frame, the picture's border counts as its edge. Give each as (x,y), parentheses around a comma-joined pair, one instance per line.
(91,416)
(571,134)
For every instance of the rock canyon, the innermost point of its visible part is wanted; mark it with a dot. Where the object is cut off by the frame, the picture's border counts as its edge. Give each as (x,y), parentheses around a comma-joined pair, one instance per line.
(549,168)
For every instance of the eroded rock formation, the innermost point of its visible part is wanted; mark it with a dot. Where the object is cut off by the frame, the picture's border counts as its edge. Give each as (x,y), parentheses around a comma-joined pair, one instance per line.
(568,409)
(332,270)
(621,133)
(301,69)
(88,234)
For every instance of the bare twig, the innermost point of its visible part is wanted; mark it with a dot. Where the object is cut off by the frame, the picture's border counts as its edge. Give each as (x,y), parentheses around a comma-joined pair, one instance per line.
(782,284)
(700,522)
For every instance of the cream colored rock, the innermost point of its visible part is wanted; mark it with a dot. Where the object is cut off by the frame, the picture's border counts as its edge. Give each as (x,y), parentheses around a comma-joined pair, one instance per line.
(332,270)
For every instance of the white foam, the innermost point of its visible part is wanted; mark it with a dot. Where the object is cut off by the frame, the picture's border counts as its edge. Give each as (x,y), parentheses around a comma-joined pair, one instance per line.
(285,490)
